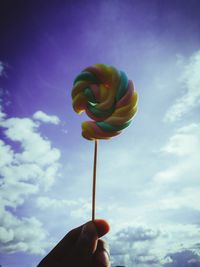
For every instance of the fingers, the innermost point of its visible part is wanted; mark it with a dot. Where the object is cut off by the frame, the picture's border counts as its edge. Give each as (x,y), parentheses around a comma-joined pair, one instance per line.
(77,246)
(88,240)
(101,258)
(86,244)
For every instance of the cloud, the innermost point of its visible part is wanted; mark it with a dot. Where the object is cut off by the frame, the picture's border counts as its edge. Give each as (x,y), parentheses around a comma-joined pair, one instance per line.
(183,144)
(1,68)
(186,258)
(4,101)
(190,82)
(43,117)
(46,202)
(24,234)
(144,246)
(188,198)
(185,141)
(24,172)
(6,154)
(25,131)
(75,208)
(138,233)
(2,114)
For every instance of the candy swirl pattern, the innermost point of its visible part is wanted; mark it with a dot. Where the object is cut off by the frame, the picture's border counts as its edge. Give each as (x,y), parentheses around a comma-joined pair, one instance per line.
(107,97)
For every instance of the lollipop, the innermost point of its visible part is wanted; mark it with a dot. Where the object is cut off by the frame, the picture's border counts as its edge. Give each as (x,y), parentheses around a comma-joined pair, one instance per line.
(109,99)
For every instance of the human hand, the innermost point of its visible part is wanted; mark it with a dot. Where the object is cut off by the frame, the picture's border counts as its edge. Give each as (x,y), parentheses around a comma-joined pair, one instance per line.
(81,247)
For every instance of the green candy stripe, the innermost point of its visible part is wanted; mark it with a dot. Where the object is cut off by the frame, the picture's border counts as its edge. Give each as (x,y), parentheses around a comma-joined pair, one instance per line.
(87,76)
(90,95)
(123,86)
(100,113)
(111,128)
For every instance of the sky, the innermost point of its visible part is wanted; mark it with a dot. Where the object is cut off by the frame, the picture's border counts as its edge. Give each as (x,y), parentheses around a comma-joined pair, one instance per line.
(147,177)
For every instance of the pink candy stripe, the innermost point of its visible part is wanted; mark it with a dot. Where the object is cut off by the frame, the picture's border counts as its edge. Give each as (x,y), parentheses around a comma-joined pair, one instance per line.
(126,98)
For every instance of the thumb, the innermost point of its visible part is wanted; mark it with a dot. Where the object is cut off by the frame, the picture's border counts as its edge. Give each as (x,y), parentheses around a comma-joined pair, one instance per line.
(88,239)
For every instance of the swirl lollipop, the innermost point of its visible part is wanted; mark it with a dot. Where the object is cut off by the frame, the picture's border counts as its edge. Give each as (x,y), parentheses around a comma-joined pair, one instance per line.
(109,99)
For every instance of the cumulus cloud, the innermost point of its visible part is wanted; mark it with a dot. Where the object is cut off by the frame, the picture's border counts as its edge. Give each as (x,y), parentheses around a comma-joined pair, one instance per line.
(143,246)
(138,233)
(43,117)
(190,82)
(35,149)
(24,172)
(24,234)
(186,258)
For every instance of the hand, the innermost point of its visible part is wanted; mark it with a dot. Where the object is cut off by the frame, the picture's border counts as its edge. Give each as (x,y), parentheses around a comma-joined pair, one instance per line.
(81,247)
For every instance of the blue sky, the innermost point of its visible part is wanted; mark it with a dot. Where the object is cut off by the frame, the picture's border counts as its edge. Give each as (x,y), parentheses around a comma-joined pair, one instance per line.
(147,177)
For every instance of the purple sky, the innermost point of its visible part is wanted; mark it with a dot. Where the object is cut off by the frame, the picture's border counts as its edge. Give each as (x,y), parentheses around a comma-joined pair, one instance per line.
(43,46)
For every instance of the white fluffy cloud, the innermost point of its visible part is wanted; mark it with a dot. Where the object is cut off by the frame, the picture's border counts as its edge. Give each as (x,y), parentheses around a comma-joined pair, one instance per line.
(33,167)
(35,149)
(43,117)
(190,82)
(24,234)
(143,246)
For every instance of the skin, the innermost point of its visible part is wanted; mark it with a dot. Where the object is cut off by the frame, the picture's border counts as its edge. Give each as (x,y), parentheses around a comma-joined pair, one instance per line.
(81,247)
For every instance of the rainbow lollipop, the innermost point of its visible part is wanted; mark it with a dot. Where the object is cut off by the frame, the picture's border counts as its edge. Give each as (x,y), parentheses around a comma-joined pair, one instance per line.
(109,99)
